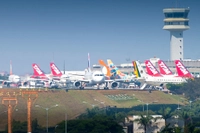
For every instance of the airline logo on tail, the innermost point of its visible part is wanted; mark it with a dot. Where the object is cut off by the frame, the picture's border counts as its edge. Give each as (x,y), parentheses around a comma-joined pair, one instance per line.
(151,70)
(182,70)
(37,69)
(54,69)
(136,71)
(114,70)
(106,69)
(163,68)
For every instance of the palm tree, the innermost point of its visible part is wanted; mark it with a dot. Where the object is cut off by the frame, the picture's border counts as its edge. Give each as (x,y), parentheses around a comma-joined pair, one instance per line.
(167,129)
(145,121)
(166,113)
(187,119)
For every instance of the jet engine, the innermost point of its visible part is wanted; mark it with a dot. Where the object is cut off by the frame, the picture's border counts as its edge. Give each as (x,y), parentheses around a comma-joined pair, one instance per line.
(114,85)
(77,84)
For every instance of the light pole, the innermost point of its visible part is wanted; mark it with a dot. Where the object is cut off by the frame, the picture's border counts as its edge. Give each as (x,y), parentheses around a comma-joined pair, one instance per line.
(147,108)
(142,104)
(190,104)
(47,112)
(65,122)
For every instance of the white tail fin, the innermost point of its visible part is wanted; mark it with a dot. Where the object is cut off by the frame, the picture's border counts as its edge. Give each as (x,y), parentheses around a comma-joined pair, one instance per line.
(139,70)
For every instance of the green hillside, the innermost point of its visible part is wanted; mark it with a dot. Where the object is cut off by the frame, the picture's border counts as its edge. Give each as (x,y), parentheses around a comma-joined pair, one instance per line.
(75,102)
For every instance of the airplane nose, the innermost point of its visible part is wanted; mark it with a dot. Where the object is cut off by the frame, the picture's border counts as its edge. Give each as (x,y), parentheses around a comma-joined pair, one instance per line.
(99,79)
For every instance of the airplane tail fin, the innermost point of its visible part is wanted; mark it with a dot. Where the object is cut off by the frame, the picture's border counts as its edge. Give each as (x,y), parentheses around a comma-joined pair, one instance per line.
(10,67)
(138,70)
(114,68)
(151,70)
(182,70)
(37,71)
(110,63)
(54,70)
(105,69)
(164,69)
(89,69)
(135,69)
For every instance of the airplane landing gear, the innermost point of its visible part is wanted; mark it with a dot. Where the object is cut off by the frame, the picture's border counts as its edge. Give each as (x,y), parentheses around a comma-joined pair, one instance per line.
(98,87)
(81,88)
(106,87)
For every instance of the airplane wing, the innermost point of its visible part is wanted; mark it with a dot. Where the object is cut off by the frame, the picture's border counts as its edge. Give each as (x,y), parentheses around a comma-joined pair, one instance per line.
(84,80)
(117,80)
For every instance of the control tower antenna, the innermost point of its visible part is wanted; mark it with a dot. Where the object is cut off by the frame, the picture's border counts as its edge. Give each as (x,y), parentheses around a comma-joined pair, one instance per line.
(176,21)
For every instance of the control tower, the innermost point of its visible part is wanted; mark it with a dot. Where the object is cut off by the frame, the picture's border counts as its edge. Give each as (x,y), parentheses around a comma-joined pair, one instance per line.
(176,21)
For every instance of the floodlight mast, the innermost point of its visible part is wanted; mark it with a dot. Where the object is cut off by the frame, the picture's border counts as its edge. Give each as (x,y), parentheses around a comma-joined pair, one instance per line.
(47,114)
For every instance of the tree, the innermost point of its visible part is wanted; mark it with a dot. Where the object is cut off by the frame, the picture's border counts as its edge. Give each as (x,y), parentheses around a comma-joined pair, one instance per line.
(97,124)
(166,113)
(145,121)
(186,118)
(167,129)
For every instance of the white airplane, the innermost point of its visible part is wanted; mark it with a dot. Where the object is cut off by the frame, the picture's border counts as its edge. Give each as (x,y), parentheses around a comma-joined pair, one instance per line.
(153,76)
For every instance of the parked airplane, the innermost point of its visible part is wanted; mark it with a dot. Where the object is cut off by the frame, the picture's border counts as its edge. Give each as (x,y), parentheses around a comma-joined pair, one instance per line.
(153,76)
(117,73)
(64,77)
(38,73)
(95,78)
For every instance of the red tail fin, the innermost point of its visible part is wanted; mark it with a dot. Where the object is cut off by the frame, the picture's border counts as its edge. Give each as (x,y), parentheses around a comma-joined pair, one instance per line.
(182,70)
(164,69)
(151,70)
(37,71)
(54,69)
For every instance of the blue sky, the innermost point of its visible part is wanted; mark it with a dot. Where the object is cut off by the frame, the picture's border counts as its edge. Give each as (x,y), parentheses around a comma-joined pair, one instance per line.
(41,31)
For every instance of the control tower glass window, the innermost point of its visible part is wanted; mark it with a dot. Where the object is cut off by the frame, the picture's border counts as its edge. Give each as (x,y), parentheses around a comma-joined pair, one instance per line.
(176,23)
(176,15)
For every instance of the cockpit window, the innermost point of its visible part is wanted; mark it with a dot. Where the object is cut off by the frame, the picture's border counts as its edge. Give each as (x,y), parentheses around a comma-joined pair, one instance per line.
(98,75)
